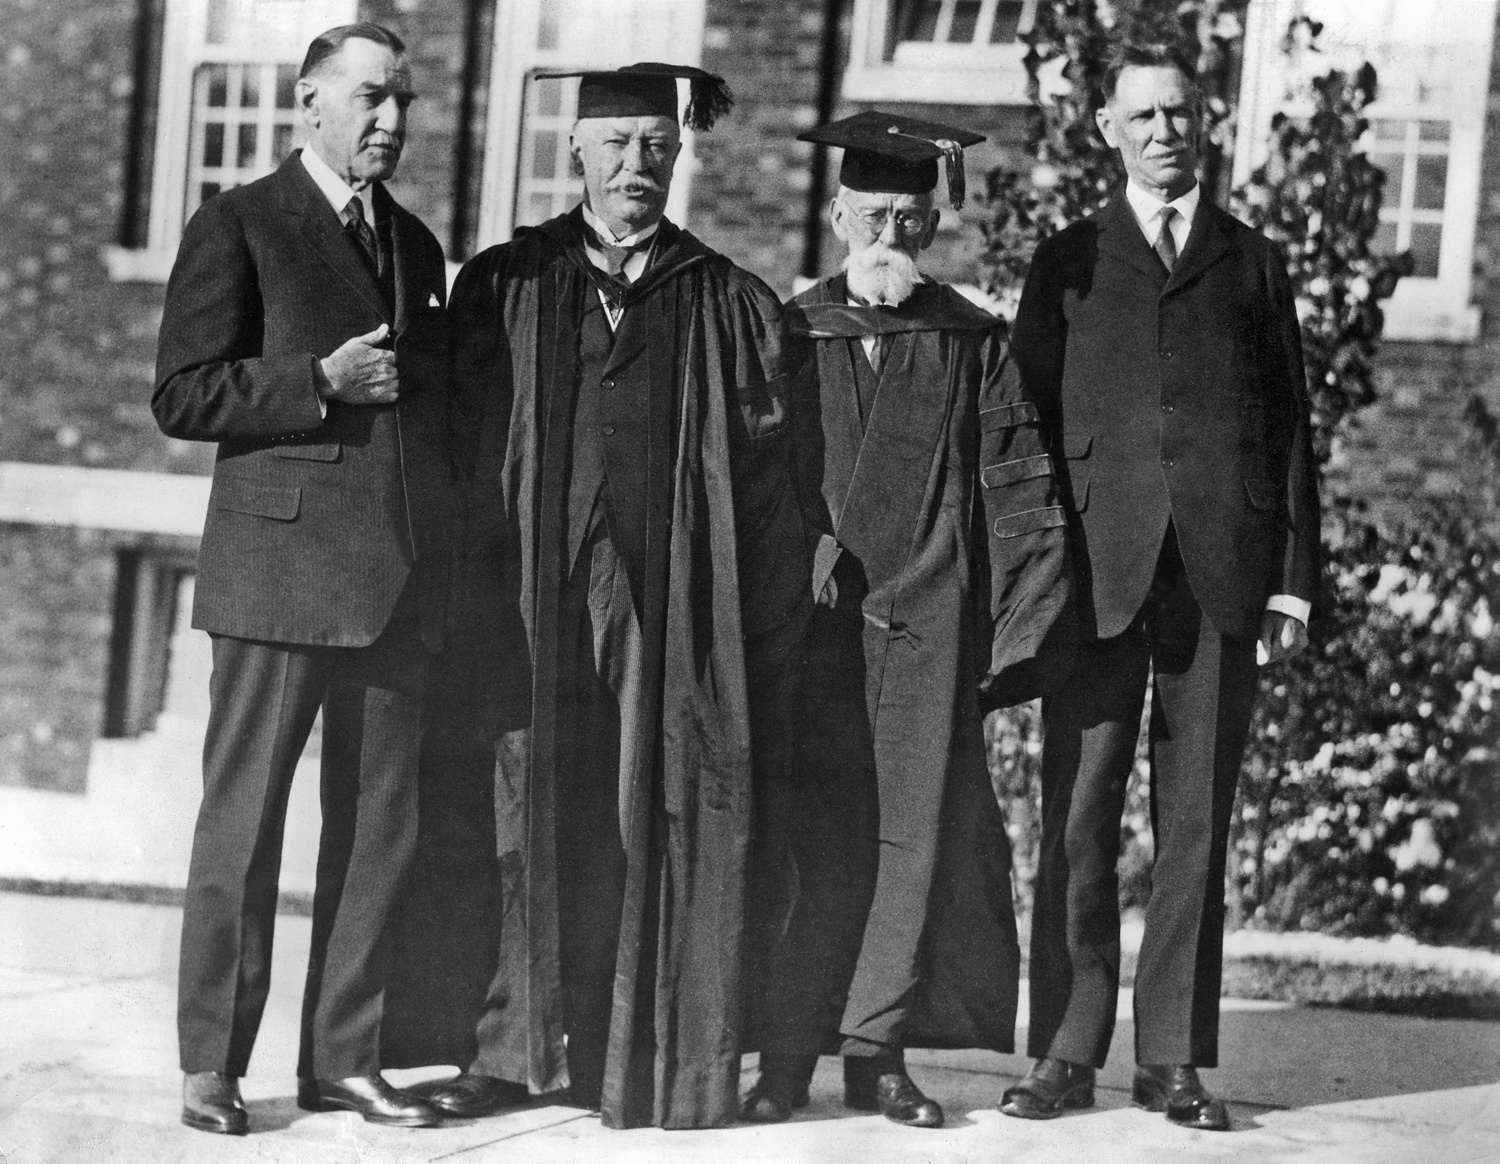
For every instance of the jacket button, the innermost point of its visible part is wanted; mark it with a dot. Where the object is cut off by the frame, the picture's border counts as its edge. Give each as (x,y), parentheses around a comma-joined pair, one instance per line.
(607,384)
(1166,353)
(1169,408)
(1166,462)
(608,430)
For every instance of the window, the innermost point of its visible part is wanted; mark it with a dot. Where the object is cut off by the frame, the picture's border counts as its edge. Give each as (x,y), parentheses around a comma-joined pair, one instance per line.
(224,112)
(947,51)
(545,184)
(527,175)
(1426,132)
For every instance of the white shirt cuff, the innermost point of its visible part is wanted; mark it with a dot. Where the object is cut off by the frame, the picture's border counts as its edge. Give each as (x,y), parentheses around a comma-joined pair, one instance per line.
(1291,606)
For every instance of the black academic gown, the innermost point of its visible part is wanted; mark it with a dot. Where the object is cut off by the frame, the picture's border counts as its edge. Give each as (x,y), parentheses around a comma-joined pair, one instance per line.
(720,582)
(929,494)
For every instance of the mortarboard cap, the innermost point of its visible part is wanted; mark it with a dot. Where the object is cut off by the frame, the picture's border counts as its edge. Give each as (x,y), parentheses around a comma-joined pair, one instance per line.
(886,153)
(649,89)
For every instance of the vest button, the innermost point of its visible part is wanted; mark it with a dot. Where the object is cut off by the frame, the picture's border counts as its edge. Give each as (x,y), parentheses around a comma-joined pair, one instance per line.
(608,430)
(607,384)
(1169,408)
(1166,353)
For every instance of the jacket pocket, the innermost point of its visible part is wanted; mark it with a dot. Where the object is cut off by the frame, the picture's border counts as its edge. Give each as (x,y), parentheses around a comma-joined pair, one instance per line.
(277,502)
(309,451)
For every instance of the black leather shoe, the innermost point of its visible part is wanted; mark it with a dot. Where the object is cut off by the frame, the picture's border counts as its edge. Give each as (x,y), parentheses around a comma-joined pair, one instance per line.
(879,1083)
(1049,1087)
(781,1088)
(211,1103)
(372,1097)
(471,1095)
(1180,1093)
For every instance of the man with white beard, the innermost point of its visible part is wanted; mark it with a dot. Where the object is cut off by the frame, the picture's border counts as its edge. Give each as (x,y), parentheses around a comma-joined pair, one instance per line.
(943,588)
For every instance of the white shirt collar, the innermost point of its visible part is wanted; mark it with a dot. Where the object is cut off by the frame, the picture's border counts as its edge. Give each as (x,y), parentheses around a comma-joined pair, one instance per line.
(335,189)
(596,224)
(1147,206)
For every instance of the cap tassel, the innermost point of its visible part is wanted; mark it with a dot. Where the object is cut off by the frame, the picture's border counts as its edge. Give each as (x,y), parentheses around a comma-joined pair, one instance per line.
(953,170)
(708,100)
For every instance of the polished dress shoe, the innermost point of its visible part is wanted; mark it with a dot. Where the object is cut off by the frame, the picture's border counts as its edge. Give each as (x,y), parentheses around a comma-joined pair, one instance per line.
(470,1095)
(880,1083)
(1048,1088)
(1179,1092)
(781,1088)
(372,1097)
(211,1103)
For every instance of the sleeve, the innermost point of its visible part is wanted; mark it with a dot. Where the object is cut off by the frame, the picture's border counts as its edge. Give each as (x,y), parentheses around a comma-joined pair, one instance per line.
(1301,565)
(775,571)
(213,382)
(1029,636)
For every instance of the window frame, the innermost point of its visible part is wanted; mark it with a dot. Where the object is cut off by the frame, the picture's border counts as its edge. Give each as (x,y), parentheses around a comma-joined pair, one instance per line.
(185,47)
(1437,309)
(984,74)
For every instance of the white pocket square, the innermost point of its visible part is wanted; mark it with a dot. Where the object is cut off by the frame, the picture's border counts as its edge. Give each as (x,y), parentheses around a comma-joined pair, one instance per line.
(432,299)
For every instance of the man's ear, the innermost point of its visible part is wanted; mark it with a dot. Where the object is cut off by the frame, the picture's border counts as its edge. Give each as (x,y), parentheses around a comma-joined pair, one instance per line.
(305,97)
(933,217)
(838,219)
(1106,123)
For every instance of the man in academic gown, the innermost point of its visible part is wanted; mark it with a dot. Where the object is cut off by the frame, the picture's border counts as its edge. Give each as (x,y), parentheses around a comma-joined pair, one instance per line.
(635,572)
(1160,337)
(940,557)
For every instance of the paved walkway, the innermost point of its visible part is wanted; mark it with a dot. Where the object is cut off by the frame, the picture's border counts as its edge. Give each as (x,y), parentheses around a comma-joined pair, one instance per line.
(88,1073)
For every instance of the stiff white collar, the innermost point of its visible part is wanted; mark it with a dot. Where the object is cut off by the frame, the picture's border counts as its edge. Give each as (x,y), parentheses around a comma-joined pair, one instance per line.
(596,224)
(1147,206)
(335,189)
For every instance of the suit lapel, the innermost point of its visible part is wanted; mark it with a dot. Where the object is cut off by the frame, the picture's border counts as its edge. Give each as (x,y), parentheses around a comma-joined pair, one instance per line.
(407,274)
(1120,235)
(1207,243)
(324,233)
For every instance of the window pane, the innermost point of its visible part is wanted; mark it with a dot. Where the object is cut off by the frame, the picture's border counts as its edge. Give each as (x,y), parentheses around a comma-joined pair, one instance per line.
(1426,240)
(1432,130)
(245,156)
(207,190)
(1007,26)
(1392,164)
(573,199)
(213,143)
(1432,181)
(218,21)
(218,85)
(250,87)
(544,154)
(1384,242)
(1389,130)
(281,143)
(548,98)
(918,19)
(540,211)
(286,85)
(965,18)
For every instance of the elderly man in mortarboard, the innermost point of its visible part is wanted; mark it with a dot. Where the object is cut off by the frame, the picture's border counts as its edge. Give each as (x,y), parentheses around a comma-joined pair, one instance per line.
(636,571)
(942,587)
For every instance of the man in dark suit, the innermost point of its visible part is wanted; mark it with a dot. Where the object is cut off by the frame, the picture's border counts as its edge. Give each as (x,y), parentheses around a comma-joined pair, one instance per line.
(1160,340)
(303,331)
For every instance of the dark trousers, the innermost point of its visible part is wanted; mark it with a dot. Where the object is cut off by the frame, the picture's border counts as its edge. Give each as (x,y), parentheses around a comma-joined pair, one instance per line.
(263,700)
(1203,692)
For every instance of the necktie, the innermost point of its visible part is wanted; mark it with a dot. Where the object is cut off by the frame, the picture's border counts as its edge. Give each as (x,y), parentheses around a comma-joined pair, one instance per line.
(615,257)
(1166,245)
(355,224)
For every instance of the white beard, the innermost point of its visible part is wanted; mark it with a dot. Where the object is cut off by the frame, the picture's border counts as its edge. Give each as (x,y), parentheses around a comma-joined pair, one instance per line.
(882,275)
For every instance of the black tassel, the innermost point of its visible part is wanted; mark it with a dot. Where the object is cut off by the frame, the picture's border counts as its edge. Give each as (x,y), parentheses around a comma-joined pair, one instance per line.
(708,100)
(953,169)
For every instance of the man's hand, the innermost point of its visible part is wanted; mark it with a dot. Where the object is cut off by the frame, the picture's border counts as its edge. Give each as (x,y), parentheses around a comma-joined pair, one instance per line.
(829,595)
(1281,636)
(362,372)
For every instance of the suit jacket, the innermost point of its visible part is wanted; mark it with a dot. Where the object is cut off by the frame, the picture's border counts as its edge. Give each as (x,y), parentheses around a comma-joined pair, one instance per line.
(1178,398)
(315,522)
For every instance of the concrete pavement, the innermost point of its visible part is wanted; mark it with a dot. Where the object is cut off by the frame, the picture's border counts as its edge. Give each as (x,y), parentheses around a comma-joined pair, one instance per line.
(88,1073)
